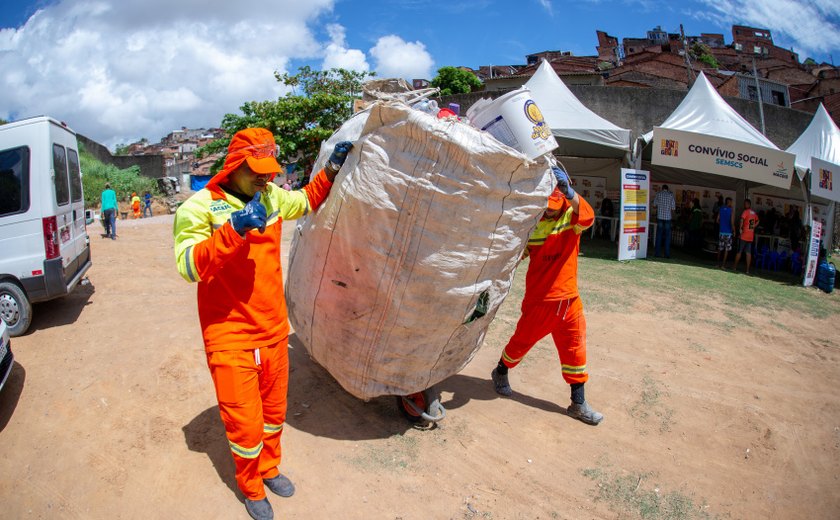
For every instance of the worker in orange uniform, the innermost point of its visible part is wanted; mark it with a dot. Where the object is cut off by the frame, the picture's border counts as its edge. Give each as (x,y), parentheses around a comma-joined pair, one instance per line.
(135,204)
(552,304)
(227,239)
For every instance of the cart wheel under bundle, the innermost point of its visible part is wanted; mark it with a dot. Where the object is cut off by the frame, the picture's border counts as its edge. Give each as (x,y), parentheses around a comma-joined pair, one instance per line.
(422,408)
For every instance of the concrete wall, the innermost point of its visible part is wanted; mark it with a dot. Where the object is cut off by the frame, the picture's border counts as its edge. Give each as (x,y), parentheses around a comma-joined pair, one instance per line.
(151,166)
(640,109)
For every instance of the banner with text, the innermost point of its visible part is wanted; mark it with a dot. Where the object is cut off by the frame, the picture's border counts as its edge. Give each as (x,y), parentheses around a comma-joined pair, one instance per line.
(634,228)
(720,156)
(822,179)
(813,253)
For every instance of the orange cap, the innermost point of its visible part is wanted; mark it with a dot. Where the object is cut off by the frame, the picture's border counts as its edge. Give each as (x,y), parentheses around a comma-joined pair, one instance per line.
(257,147)
(555,200)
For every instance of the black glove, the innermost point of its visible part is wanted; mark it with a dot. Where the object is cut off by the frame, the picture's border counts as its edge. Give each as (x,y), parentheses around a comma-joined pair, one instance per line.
(339,154)
(564,183)
(252,216)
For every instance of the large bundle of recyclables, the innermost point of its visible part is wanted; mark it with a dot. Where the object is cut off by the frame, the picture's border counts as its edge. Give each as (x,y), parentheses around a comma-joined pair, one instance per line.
(393,282)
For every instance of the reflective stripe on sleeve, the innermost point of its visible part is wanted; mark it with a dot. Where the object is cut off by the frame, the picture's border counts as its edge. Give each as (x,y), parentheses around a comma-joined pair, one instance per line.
(188,263)
(580,229)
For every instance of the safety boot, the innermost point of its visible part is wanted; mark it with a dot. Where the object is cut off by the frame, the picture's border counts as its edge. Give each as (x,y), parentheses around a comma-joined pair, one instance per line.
(585,413)
(280,485)
(259,509)
(500,383)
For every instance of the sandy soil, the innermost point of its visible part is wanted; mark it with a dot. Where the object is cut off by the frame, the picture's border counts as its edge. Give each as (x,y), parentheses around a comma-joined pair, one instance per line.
(110,413)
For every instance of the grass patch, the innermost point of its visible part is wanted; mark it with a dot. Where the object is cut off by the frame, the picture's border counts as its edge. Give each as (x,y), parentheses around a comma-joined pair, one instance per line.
(649,405)
(629,494)
(685,278)
(397,455)
(697,347)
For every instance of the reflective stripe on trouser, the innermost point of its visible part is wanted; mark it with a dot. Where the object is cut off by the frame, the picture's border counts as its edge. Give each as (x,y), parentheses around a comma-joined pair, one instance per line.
(565,322)
(251,388)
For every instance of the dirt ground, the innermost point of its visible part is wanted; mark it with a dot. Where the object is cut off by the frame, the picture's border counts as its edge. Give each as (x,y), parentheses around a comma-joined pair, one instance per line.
(110,413)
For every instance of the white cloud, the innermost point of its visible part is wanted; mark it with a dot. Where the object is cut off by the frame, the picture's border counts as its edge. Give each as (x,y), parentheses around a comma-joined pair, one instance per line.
(546,4)
(120,70)
(396,58)
(337,55)
(810,26)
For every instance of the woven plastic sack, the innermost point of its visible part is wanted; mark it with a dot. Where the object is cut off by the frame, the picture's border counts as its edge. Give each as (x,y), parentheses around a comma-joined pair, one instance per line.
(393,282)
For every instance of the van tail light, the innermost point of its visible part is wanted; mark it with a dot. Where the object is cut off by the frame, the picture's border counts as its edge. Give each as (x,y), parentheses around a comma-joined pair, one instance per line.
(51,237)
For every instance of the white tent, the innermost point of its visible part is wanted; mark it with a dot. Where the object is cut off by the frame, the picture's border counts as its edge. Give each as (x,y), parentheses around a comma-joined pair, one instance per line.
(704,111)
(579,131)
(706,136)
(821,140)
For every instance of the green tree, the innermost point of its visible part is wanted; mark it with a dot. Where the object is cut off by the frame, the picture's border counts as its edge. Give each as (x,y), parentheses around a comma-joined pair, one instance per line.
(701,52)
(121,149)
(452,80)
(320,101)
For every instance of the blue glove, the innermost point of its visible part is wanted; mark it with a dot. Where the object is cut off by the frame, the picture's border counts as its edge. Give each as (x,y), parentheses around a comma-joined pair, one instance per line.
(339,154)
(564,183)
(252,216)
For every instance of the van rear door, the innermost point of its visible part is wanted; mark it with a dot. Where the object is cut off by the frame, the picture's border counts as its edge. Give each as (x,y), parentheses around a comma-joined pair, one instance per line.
(69,198)
(77,201)
(63,209)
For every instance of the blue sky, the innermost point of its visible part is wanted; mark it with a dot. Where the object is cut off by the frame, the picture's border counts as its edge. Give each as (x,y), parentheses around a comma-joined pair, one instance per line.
(119,70)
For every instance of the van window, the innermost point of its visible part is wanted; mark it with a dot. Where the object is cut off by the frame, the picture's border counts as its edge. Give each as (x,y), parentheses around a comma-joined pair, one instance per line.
(62,187)
(14,181)
(75,175)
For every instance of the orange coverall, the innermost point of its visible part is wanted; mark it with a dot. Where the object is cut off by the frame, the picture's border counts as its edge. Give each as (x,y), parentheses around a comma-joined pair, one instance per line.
(552,304)
(135,205)
(243,314)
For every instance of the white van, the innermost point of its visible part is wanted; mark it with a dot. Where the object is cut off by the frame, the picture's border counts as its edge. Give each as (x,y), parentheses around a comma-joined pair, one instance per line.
(44,246)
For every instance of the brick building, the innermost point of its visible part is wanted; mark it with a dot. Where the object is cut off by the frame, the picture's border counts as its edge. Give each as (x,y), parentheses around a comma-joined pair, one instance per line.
(755,41)
(744,86)
(608,48)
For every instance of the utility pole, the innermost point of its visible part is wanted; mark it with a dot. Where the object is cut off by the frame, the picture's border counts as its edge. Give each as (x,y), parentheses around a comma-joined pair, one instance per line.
(758,93)
(689,71)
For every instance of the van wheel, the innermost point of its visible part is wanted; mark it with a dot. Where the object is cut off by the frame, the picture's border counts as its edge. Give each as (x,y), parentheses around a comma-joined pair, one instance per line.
(15,308)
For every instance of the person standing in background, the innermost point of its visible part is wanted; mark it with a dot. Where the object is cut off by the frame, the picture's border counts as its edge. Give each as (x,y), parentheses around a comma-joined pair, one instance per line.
(135,204)
(665,205)
(747,225)
(147,197)
(695,226)
(726,223)
(109,211)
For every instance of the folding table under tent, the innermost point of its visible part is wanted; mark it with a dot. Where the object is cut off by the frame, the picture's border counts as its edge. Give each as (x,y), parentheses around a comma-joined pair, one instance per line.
(817,152)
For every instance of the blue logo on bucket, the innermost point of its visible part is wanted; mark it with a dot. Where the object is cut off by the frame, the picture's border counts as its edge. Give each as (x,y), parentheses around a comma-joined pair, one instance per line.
(533,113)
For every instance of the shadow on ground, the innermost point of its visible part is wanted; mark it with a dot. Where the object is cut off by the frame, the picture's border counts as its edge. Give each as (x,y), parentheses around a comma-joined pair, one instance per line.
(319,406)
(467,388)
(10,395)
(61,311)
(206,434)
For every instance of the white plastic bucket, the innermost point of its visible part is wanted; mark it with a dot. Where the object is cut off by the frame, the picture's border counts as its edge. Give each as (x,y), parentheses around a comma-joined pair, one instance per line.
(515,120)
